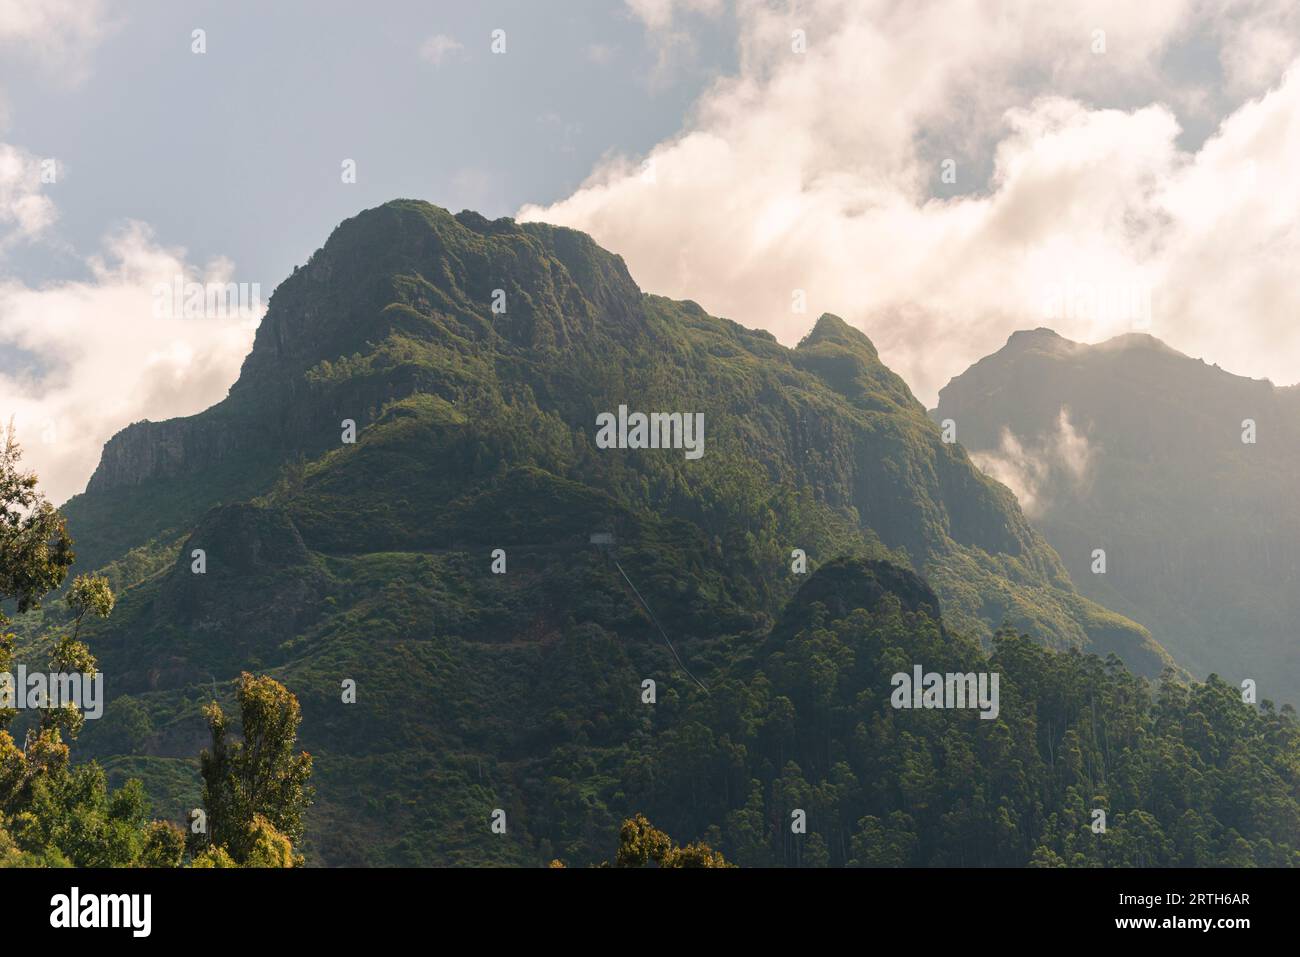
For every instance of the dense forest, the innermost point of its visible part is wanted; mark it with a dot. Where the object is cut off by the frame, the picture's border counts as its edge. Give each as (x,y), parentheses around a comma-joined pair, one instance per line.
(1186,774)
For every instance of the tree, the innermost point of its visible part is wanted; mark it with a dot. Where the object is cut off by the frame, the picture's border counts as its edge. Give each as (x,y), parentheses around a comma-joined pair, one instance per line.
(641,844)
(888,843)
(51,813)
(35,550)
(89,593)
(255,790)
(164,845)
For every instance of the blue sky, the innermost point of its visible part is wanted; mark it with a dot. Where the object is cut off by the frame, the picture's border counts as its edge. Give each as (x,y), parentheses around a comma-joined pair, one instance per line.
(237,152)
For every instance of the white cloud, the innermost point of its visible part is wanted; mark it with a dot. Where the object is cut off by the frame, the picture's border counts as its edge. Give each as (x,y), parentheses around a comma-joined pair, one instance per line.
(25,212)
(1040,469)
(1258,39)
(82,358)
(821,171)
(98,359)
(437,48)
(59,34)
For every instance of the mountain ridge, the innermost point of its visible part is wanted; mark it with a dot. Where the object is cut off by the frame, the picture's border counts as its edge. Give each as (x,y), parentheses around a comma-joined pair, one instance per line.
(1198,525)
(475,432)
(291,396)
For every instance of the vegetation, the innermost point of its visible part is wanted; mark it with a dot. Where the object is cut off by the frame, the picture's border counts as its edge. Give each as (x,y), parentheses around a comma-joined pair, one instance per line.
(640,844)
(821,447)
(369,565)
(1186,775)
(54,813)
(255,790)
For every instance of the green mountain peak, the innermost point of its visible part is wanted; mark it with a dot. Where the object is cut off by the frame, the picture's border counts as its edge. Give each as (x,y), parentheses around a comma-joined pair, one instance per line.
(421,405)
(831,328)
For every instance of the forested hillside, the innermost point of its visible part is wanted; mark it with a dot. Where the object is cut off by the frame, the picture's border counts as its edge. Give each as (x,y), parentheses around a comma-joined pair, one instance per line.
(431,594)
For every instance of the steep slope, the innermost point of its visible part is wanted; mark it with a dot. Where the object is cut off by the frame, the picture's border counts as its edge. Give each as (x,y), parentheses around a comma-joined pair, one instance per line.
(399,303)
(372,561)
(1201,530)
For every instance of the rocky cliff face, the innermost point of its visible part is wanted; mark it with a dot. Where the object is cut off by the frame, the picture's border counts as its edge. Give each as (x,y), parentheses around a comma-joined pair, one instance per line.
(147,450)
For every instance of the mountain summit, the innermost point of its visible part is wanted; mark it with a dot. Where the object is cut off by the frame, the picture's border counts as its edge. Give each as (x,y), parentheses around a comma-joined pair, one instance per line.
(1182,472)
(492,320)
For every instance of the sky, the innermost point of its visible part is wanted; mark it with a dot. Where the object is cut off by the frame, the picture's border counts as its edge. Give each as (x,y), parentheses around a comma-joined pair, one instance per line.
(938,173)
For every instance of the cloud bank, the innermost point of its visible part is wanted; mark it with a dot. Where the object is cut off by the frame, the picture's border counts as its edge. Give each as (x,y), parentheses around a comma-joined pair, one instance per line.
(944,173)
(80,359)
(98,358)
(59,35)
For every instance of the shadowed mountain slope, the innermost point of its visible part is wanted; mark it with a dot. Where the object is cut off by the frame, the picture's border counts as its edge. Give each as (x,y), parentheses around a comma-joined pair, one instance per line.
(1134,448)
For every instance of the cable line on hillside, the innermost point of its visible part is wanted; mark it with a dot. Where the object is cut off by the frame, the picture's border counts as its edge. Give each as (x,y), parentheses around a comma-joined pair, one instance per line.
(681,664)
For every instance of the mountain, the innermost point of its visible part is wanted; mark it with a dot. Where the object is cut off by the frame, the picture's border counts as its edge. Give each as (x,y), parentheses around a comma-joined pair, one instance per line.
(475,359)
(1132,447)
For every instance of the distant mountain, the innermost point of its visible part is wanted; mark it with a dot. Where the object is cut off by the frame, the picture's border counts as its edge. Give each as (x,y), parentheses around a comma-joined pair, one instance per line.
(1131,447)
(475,359)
